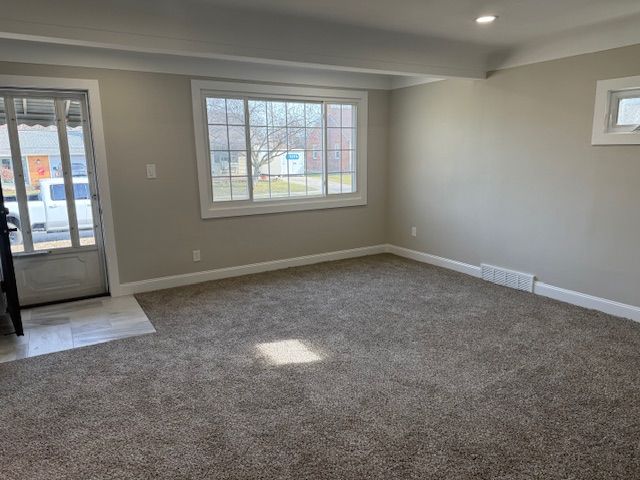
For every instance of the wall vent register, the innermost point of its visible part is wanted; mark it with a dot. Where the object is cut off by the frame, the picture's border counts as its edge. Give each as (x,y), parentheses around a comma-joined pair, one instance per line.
(508,278)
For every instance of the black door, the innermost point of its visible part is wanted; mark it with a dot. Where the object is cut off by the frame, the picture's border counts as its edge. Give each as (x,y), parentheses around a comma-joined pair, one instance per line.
(8,275)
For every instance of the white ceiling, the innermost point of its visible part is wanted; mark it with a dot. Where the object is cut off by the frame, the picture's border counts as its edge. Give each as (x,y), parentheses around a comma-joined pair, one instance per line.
(520,21)
(400,42)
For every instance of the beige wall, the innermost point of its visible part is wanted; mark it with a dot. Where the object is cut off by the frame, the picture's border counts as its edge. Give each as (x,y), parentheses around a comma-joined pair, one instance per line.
(148,119)
(502,171)
(499,171)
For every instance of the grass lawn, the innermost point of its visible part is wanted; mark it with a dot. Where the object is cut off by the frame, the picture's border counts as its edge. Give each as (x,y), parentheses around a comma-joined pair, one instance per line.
(335,178)
(279,187)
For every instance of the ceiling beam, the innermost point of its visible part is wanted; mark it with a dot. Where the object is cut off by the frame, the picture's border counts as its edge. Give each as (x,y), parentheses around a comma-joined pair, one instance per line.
(199,29)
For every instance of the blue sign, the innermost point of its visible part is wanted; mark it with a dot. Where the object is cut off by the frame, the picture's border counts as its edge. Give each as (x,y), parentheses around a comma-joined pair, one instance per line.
(293,156)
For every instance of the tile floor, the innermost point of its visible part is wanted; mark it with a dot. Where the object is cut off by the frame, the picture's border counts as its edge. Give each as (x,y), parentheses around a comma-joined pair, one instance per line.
(75,324)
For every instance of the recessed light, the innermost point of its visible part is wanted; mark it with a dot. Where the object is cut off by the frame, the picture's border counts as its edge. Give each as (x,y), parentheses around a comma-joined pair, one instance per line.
(486,19)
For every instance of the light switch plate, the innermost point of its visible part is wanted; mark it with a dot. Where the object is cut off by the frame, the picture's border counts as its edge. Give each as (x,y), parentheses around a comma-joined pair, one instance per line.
(151,170)
(196,255)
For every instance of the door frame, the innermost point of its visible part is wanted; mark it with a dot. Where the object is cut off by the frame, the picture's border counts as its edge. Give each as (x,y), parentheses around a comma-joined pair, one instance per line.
(92,90)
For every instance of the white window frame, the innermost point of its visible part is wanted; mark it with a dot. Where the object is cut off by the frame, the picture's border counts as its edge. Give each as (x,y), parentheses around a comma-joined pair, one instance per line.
(608,94)
(208,209)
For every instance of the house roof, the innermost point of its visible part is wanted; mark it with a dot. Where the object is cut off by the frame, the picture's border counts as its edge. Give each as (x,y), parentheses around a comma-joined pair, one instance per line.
(38,140)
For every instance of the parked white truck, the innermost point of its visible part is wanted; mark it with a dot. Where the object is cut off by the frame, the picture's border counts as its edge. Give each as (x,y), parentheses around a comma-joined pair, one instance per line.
(48,212)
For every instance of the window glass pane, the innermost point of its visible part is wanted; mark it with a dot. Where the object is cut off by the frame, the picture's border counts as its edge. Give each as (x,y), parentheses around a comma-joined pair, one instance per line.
(258,137)
(235,111)
(315,184)
(240,188)
(313,112)
(348,180)
(79,171)
(216,111)
(276,114)
(315,161)
(346,138)
(238,163)
(220,164)
(298,185)
(295,162)
(279,185)
(261,187)
(333,161)
(237,139)
(221,189)
(260,162)
(258,113)
(277,139)
(8,183)
(347,161)
(348,116)
(629,111)
(218,139)
(334,139)
(295,114)
(41,163)
(334,115)
(314,139)
(296,138)
(334,183)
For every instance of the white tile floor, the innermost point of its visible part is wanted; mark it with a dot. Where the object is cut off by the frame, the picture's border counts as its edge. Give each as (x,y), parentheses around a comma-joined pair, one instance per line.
(75,324)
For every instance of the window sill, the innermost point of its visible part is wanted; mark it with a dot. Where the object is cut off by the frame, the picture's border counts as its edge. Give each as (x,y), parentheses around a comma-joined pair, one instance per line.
(615,138)
(239,209)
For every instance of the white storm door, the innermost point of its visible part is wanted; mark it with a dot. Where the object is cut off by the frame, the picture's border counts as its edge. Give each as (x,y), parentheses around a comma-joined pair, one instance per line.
(50,188)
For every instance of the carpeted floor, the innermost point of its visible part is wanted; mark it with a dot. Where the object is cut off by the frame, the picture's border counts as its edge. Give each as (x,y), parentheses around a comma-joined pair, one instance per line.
(408,372)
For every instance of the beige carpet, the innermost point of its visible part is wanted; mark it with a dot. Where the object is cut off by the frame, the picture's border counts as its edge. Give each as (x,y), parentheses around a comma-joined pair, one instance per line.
(373,368)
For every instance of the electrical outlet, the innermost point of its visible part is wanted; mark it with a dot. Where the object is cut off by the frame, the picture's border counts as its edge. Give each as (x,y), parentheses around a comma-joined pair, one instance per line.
(414,232)
(151,170)
(196,255)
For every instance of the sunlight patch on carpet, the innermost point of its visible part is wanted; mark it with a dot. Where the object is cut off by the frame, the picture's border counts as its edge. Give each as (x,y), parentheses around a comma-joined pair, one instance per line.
(286,352)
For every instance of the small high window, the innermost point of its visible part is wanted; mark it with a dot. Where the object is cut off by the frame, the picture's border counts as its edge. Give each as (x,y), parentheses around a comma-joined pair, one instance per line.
(617,112)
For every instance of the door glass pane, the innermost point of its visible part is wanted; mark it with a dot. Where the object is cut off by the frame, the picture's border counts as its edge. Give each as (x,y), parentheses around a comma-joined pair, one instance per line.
(79,171)
(41,163)
(8,183)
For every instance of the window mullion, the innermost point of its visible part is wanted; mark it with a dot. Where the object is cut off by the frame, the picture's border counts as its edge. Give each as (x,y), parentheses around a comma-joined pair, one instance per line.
(247,133)
(324,149)
(286,153)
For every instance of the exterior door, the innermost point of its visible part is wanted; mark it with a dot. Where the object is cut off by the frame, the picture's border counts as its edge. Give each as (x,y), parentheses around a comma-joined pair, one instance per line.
(50,190)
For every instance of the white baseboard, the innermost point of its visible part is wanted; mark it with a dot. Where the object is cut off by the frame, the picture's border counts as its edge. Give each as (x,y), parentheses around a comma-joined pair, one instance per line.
(172,281)
(588,301)
(539,288)
(435,260)
(569,296)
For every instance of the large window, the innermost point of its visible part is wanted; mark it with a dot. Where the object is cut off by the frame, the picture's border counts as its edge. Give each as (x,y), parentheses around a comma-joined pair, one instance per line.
(265,149)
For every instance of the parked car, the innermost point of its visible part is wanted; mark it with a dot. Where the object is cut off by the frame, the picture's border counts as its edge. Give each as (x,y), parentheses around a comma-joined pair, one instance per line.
(78,170)
(48,211)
